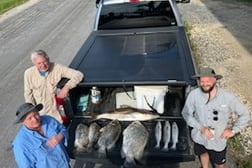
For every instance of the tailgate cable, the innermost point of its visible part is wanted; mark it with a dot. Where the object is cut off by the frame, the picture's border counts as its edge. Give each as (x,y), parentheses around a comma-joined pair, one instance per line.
(151,106)
(131,97)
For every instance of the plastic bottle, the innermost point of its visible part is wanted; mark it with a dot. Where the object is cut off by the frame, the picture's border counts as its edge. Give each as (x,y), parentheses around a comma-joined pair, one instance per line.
(95,95)
(63,114)
(62,110)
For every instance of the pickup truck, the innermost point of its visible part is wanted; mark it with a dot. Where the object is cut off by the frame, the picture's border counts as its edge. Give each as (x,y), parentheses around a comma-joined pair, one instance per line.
(137,56)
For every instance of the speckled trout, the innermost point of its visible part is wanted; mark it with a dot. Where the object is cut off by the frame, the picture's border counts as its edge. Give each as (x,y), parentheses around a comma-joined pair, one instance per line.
(175,135)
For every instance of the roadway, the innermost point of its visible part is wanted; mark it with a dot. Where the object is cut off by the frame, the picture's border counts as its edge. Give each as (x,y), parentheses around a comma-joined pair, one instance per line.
(60,27)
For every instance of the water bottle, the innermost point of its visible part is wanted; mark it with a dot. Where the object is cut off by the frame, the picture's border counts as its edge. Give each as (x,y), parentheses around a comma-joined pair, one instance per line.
(61,110)
(63,114)
(95,95)
(59,101)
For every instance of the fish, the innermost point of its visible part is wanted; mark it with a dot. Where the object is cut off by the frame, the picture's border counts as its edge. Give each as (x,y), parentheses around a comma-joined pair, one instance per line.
(81,137)
(175,134)
(128,114)
(166,135)
(93,134)
(109,136)
(135,139)
(158,134)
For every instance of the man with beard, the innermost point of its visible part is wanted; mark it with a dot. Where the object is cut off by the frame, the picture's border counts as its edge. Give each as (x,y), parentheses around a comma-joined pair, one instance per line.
(208,110)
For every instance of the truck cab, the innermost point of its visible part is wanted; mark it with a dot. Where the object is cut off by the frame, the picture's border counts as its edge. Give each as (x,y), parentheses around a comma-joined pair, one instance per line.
(137,56)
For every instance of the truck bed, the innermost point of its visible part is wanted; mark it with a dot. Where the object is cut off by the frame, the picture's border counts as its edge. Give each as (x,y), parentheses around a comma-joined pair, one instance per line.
(128,56)
(117,58)
(173,103)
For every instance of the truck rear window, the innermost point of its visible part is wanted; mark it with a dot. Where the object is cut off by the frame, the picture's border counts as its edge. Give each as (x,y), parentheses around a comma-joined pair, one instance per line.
(136,15)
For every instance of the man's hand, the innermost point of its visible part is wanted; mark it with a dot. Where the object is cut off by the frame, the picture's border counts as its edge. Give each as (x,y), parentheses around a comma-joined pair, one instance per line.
(63,92)
(206,131)
(227,133)
(53,141)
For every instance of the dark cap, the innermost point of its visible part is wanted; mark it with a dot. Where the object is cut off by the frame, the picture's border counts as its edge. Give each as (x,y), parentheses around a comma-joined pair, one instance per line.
(25,109)
(207,72)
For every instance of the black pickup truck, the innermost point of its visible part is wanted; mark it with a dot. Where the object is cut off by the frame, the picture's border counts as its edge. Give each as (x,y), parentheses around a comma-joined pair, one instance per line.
(137,51)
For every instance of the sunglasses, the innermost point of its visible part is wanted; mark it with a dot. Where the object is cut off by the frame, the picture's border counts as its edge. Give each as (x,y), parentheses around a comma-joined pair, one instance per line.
(215,118)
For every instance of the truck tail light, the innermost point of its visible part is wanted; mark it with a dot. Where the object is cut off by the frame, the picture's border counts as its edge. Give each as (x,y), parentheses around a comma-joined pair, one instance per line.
(134,1)
(60,107)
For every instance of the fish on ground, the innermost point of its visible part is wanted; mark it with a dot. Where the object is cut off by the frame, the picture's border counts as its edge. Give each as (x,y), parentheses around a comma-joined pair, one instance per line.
(93,134)
(81,137)
(128,114)
(175,134)
(166,135)
(135,139)
(158,134)
(109,136)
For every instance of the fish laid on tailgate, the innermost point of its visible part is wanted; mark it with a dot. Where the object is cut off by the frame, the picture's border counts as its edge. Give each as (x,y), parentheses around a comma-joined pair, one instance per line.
(109,136)
(166,135)
(175,134)
(158,134)
(128,114)
(135,138)
(93,134)
(81,137)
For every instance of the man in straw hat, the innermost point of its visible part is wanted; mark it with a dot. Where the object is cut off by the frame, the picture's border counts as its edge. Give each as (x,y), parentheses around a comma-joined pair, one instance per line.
(41,140)
(208,110)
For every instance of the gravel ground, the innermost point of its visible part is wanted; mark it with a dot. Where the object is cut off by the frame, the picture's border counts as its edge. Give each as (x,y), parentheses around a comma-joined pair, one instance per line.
(221,36)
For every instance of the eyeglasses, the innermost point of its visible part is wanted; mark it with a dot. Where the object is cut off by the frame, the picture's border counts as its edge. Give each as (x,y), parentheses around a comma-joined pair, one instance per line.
(215,118)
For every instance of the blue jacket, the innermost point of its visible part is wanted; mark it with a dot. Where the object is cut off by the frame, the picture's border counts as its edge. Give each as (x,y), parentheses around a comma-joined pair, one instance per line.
(30,149)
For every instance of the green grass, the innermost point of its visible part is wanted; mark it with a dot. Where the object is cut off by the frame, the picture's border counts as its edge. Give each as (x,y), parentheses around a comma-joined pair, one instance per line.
(6,5)
(237,150)
(195,52)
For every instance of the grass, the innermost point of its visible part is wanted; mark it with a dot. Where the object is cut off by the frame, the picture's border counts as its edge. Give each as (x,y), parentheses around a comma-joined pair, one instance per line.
(194,49)
(237,150)
(6,5)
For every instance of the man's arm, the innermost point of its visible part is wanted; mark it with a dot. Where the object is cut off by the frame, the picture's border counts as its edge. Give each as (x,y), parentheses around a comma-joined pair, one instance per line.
(61,133)
(28,95)
(73,75)
(242,112)
(188,113)
(53,141)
